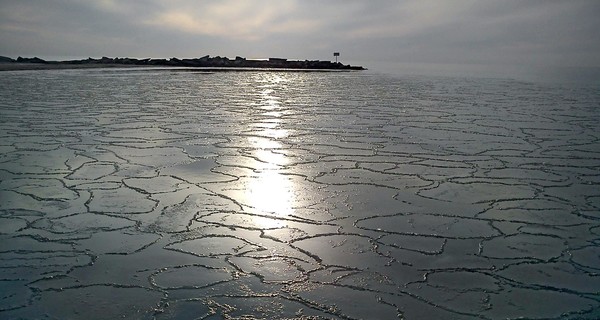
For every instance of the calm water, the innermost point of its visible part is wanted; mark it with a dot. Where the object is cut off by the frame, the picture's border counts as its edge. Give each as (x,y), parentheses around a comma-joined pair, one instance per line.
(175,194)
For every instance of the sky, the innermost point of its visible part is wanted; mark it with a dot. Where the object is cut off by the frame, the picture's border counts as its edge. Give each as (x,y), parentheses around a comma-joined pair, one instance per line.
(477,35)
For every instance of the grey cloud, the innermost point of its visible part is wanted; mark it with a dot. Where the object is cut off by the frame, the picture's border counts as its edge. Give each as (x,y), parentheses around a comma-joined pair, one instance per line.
(488,32)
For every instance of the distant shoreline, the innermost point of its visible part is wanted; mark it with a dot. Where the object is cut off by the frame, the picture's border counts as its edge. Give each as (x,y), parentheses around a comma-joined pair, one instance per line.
(206,62)
(13,66)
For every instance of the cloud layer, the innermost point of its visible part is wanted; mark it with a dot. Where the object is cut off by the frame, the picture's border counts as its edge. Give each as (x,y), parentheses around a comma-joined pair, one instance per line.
(475,32)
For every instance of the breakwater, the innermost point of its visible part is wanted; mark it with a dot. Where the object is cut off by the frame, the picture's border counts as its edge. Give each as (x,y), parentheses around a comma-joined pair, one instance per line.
(202,62)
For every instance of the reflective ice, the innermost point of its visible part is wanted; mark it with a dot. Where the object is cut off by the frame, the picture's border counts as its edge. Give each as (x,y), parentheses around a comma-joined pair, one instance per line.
(160,194)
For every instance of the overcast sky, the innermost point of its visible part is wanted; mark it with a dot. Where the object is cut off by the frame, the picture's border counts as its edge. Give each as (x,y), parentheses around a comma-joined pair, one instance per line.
(476,33)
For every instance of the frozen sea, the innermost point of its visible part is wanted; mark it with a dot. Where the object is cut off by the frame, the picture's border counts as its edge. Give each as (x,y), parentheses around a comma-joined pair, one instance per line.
(177,194)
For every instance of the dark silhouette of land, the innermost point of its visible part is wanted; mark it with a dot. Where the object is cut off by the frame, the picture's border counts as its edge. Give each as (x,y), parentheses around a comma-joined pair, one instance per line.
(20,63)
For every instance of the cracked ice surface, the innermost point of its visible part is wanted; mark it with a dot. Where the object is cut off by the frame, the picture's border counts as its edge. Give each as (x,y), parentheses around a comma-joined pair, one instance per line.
(160,194)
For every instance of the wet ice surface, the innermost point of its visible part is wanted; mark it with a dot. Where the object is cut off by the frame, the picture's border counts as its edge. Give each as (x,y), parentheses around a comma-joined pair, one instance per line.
(161,194)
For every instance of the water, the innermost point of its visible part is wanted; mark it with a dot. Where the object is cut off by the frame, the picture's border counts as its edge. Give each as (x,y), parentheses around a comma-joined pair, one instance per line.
(176,194)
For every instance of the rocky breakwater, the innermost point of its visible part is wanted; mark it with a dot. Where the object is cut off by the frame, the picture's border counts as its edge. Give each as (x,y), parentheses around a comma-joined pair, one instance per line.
(203,62)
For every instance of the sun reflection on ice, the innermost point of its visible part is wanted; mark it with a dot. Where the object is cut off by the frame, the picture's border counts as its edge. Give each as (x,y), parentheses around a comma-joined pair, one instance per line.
(270,191)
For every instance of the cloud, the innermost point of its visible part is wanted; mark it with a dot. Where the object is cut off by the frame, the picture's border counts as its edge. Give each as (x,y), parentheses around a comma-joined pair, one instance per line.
(486,32)
(490,32)
(396,19)
(238,20)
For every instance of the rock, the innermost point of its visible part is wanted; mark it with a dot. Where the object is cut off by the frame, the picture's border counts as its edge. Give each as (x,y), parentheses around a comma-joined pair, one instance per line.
(30,60)
(6,59)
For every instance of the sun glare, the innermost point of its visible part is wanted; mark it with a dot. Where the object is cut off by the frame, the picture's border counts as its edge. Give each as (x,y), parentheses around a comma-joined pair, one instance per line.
(270,191)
